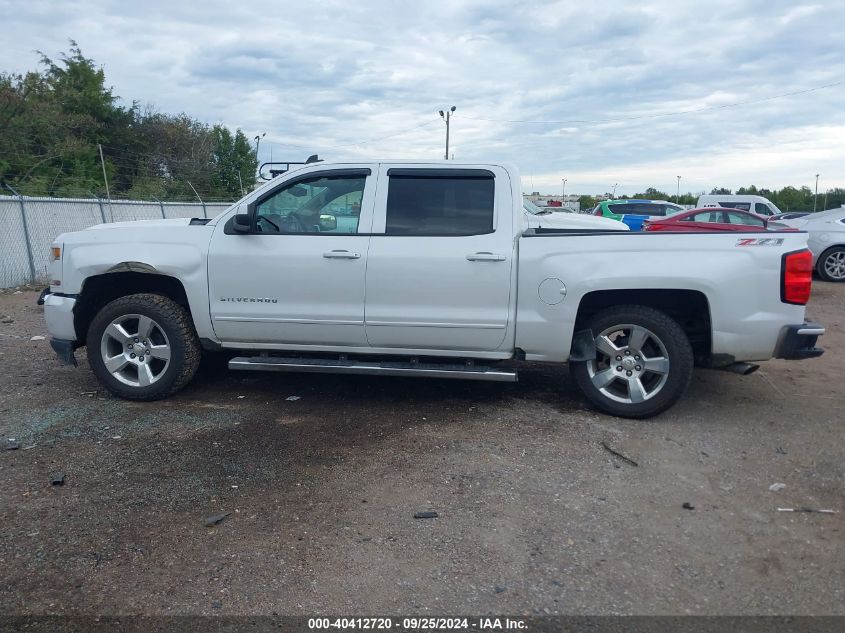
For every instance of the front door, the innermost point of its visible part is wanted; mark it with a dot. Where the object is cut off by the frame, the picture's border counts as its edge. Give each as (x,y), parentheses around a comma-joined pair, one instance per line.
(298,277)
(440,259)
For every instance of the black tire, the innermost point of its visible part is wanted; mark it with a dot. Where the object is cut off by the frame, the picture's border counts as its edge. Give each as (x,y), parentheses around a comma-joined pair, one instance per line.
(669,385)
(835,252)
(172,321)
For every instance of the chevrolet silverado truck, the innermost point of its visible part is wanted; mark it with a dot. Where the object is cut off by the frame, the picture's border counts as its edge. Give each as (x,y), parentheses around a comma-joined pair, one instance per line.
(423,269)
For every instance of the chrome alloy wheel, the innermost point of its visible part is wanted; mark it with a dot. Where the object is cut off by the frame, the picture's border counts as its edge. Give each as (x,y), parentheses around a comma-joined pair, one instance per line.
(135,350)
(834,265)
(631,364)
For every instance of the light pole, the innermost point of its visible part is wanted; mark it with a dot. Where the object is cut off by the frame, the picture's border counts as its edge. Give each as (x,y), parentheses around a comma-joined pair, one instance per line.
(816,197)
(446,117)
(678,194)
(563,190)
(614,190)
(257,140)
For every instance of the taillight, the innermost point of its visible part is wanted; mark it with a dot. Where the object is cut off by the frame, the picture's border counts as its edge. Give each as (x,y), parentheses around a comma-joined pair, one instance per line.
(598,211)
(796,277)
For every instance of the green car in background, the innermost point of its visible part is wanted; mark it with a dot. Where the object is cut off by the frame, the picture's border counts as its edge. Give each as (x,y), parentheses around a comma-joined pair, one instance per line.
(634,212)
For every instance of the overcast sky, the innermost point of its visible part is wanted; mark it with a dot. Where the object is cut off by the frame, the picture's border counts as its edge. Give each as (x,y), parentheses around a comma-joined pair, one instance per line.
(607,87)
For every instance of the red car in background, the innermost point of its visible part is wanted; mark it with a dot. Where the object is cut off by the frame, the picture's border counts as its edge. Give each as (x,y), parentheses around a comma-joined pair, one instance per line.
(710,219)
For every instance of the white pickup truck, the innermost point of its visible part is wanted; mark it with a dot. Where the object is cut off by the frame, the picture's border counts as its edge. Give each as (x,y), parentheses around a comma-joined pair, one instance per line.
(423,269)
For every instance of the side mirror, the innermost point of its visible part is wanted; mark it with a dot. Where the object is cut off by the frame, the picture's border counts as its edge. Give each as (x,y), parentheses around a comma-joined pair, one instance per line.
(241,223)
(328,222)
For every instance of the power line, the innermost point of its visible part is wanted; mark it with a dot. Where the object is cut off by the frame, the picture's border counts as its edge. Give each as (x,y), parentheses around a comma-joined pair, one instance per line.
(365,142)
(665,114)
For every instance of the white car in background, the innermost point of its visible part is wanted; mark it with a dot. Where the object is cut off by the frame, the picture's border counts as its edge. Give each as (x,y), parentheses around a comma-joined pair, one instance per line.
(744,202)
(827,241)
(535,217)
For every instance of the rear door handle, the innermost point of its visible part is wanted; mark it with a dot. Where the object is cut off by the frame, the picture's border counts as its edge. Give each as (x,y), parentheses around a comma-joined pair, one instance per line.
(486,256)
(341,255)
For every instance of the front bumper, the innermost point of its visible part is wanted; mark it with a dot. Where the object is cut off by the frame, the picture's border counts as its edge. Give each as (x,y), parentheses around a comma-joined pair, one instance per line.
(799,341)
(64,350)
(58,313)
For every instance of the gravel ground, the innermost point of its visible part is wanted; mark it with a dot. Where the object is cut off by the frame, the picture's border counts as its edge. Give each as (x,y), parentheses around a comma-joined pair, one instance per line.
(535,516)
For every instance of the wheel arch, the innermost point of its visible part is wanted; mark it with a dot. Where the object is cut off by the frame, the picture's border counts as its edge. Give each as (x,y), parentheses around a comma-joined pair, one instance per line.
(689,308)
(126,278)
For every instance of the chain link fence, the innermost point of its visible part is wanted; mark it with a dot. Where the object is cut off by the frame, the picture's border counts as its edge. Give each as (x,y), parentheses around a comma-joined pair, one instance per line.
(29,225)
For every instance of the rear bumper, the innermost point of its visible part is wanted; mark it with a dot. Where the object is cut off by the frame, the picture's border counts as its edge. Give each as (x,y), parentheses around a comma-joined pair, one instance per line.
(799,341)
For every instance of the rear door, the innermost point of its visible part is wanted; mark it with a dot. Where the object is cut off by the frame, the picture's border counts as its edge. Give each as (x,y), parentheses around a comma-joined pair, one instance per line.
(441,259)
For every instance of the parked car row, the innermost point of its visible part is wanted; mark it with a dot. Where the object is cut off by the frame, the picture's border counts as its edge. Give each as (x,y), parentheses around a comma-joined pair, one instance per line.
(715,213)
(714,219)
(634,212)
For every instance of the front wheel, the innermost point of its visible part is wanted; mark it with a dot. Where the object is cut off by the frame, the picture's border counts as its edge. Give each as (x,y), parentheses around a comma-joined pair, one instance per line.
(143,347)
(643,363)
(831,264)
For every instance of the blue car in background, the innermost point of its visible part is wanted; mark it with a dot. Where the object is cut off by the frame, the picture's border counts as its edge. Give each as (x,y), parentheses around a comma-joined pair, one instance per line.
(634,212)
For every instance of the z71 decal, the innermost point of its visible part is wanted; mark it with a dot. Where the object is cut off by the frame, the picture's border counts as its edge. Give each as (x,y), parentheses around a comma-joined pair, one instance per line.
(759,241)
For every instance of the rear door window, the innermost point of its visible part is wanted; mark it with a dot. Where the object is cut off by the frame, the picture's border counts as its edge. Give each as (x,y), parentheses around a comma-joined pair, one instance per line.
(706,216)
(660,210)
(742,218)
(440,204)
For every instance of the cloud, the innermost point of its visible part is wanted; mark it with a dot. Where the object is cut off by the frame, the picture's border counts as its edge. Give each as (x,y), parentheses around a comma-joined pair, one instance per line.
(614,82)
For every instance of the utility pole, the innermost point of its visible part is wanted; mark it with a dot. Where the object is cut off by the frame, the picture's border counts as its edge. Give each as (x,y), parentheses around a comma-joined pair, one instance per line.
(678,194)
(614,190)
(105,180)
(563,190)
(816,197)
(447,117)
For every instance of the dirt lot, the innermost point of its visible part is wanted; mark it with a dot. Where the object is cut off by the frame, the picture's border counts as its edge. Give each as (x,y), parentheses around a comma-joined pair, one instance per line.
(535,516)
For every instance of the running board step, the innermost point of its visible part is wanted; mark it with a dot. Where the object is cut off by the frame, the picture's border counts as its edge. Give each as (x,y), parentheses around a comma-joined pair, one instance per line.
(372,368)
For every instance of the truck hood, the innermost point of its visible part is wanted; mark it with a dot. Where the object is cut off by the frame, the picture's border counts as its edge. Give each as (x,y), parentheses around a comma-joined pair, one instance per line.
(573,221)
(142,224)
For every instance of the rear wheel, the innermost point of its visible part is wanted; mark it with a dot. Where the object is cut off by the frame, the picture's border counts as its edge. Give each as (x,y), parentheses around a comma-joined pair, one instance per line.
(643,362)
(143,347)
(831,264)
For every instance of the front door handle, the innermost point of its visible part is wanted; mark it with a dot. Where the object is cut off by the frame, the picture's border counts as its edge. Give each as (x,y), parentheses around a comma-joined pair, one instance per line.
(341,255)
(486,256)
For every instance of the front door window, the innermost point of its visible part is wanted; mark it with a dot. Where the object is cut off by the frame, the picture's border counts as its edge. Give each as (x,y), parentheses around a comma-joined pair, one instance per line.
(317,205)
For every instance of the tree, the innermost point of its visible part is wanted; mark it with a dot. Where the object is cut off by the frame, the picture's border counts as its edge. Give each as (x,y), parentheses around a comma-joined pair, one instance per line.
(234,160)
(586,202)
(52,121)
